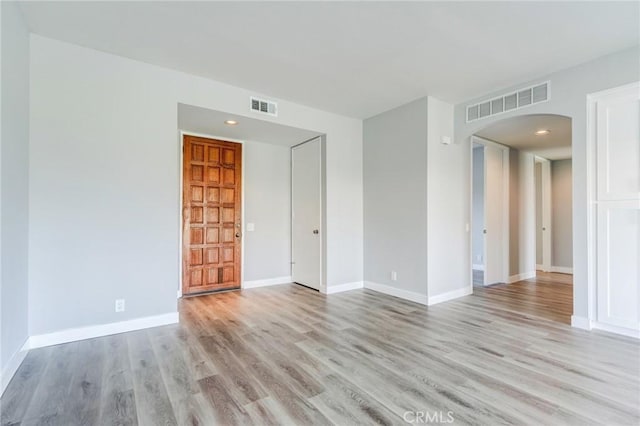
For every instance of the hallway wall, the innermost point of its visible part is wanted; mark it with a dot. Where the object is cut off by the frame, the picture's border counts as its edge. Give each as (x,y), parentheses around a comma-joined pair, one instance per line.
(522,221)
(561,214)
(478,207)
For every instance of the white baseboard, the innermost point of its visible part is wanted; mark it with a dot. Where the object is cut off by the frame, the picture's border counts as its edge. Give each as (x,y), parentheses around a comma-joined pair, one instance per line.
(450,295)
(520,277)
(477,267)
(344,287)
(583,323)
(392,291)
(539,267)
(81,333)
(266,282)
(615,329)
(12,366)
(587,324)
(562,270)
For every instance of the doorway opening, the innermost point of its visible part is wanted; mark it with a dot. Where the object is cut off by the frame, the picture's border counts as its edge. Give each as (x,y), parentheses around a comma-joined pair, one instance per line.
(521,179)
(235,201)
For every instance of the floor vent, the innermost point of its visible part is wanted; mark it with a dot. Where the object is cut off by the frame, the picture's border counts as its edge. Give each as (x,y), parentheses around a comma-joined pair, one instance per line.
(509,102)
(264,107)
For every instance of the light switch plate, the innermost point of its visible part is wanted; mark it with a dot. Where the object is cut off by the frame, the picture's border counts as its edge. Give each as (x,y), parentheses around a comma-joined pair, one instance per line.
(251,227)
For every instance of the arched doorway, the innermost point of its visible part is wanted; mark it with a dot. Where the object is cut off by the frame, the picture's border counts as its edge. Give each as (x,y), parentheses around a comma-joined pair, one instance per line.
(521,209)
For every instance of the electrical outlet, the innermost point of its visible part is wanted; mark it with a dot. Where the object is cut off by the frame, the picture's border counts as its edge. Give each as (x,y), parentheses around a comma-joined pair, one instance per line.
(394,276)
(119,305)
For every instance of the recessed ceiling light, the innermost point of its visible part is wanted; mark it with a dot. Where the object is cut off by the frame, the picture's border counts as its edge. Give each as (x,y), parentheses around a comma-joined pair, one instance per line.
(543,132)
(230,122)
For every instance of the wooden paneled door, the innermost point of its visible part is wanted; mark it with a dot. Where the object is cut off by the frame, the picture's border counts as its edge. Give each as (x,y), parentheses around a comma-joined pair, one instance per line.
(211,214)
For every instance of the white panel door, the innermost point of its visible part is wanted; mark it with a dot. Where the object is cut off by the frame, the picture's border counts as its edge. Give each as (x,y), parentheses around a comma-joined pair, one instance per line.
(618,208)
(306,242)
(619,264)
(546,211)
(618,146)
(494,220)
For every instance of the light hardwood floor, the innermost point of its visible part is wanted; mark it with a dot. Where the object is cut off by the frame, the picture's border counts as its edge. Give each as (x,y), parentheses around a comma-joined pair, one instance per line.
(549,295)
(289,355)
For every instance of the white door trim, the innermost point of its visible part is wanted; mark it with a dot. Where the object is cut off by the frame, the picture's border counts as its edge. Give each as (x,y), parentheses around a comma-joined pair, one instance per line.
(505,211)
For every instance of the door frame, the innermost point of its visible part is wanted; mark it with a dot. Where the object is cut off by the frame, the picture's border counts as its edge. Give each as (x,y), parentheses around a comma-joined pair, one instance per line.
(182,134)
(322,227)
(547,209)
(505,207)
(592,229)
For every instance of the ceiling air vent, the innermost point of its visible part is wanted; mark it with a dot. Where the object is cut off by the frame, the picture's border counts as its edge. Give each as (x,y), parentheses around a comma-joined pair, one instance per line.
(263,106)
(509,102)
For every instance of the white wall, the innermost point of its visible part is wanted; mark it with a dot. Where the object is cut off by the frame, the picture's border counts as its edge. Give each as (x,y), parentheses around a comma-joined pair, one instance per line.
(104,183)
(569,89)
(267,204)
(395,198)
(478,206)
(522,218)
(14,166)
(561,214)
(448,178)
(527,216)
(415,211)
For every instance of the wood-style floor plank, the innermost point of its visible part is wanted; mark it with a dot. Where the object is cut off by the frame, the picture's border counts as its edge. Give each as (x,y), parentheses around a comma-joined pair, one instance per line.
(18,396)
(153,406)
(292,356)
(548,295)
(83,404)
(117,405)
(53,390)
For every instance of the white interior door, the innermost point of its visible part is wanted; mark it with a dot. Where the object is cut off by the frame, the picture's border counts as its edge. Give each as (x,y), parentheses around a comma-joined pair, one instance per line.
(306,207)
(546,214)
(619,264)
(494,216)
(618,208)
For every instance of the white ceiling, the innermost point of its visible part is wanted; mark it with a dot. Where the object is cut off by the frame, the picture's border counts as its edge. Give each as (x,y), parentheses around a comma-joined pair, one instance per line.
(519,133)
(352,58)
(211,123)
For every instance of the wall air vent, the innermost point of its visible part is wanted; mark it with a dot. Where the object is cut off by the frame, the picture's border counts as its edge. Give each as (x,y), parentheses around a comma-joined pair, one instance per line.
(262,106)
(509,102)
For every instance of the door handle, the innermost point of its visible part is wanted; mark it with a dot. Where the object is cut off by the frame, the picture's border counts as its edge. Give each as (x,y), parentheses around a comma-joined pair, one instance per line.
(484,231)
(238,235)
(316,232)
